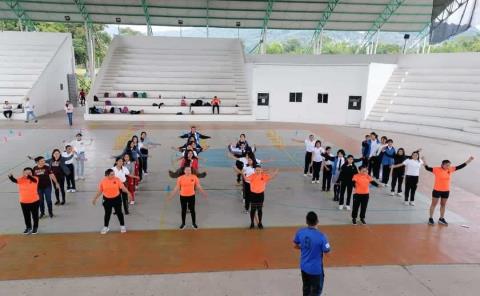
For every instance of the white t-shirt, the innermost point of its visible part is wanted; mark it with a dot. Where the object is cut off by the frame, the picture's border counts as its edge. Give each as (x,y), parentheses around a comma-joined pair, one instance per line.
(247,172)
(317,154)
(121,173)
(65,154)
(329,162)
(309,145)
(79,146)
(28,106)
(412,167)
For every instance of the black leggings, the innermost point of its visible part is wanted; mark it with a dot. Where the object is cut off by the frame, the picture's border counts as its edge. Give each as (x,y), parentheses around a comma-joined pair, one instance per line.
(308,161)
(397,178)
(124,197)
(256,205)
(348,186)
(327,177)
(246,195)
(215,107)
(61,184)
(30,212)
(360,201)
(71,178)
(316,170)
(410,187)
(8,114)
(385,174)
(108,205)
(374,166)
(188,202)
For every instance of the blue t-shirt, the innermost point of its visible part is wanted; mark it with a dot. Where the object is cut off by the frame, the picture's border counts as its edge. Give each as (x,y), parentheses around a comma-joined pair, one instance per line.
(313,244)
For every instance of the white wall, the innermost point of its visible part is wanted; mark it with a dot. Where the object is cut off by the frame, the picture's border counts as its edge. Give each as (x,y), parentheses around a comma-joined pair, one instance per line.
(378,76)
(339,81)
(46,94)
(441,60)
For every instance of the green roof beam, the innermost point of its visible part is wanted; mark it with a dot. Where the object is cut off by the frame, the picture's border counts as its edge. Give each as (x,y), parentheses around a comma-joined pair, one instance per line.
(147,18)
(382,19)
(318,33)
(81,6)
(21,14)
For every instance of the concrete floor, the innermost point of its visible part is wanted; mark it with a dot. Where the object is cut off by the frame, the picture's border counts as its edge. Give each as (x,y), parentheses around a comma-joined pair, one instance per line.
(289,197)
(418,280)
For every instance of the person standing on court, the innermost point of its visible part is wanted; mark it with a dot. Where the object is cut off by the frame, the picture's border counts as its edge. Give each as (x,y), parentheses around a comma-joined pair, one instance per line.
(29,110)
(69,111)
(312,245)
(29,200)
(216,105)
(309,146)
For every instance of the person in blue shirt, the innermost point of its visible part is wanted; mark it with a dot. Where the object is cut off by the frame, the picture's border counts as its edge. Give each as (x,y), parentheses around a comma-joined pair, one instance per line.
(312,245)
(387,161)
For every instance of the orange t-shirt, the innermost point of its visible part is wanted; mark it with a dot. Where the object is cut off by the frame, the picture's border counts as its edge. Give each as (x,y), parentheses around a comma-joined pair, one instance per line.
(27,190)
(216,101)
(110,187)
(362,183)
(442,178)
(258,182)
(187,185)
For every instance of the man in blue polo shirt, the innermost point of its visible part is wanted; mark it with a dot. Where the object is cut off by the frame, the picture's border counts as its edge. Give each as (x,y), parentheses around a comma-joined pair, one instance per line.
(312,244)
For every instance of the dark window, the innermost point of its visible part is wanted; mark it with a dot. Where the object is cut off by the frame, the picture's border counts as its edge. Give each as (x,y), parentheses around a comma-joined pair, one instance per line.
(263,99)
(322,98)
(296,97)
(354,103)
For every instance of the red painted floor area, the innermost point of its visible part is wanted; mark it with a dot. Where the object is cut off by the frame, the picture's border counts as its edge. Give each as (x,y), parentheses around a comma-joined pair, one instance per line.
(172,251)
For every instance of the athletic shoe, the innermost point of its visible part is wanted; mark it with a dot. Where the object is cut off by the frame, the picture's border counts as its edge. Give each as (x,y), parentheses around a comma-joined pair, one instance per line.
(35,231)
(348,208)
(182,227)
(123,229)
(363,221)
(105,230)
(41,216)
(132,202)
(399,194)
(305,175)
(27,231)
(392,193)
(313,182)
(406,203)
(195,226)
(127,213)
(310,174)
(145,174)
(318,182)
(62,203)
(73,190)
(51,215)
(252,226)
(57,203)
(260,226)
(340,207)
(386,185)
(431,222)
(354,221)
(412,203)
(442,221)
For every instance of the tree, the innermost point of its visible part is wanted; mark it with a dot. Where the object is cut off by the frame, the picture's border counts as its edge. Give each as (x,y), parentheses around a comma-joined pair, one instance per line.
(387,48)
(293,46)
(130,32)
(275,48)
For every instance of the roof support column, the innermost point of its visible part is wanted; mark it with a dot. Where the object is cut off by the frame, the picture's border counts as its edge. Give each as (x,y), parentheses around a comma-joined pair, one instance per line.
(25,23)
(147,17)
(318,43)
(376,42)
(317,38)
(90,52)
(208,33)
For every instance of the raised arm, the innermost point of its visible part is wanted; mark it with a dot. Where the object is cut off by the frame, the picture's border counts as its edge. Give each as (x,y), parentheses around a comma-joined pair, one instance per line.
(461,166)
(203,136)
(430,169)
(12,178)
(298,141)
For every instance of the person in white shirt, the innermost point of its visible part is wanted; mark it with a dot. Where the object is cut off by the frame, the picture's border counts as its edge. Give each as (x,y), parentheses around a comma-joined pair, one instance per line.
(69,111)
(327,169)
(7,110)
(412,172)
(28,106)
(121,173)
(68,153)
(79,148)
(317,160)
(374,159)
(309,145)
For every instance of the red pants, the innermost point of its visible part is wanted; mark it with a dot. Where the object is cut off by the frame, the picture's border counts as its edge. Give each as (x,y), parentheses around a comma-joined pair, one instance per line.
(130,184)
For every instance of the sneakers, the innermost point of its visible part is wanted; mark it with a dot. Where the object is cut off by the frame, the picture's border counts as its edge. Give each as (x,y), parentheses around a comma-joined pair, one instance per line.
(349,208)
(145,174)
(313,181)
(62,203)
(57,203)
(442,221)
(27,231)
(132,202)
(305,175)
(309,174)
(195,226)
(73,190)
(431,222)
(51,215)
(182,227)
(260,226)
(318,182)
(392,193)
(104,230)
(34,231)
(412,203)
(41,216)
(363,221)
(354,221)
(406,203)
(399,194)
(123,229)
(252,226)
(340,207)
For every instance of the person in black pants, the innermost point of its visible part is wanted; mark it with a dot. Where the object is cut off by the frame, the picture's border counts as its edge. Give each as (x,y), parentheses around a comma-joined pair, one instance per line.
(398,172)
(29,200)
(327,169)
(347,172)
(309,145)
(388,155)
(361,181)
(70,178)
(45,179)
(60,170)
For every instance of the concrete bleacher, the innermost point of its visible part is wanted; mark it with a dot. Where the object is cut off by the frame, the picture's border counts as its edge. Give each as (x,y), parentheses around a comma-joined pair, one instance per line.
(24,58)
(197,68)
(433,102)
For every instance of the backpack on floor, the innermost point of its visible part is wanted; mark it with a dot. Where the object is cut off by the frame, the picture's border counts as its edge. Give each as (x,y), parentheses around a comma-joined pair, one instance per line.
(106,95)
(135,94)
(144,95)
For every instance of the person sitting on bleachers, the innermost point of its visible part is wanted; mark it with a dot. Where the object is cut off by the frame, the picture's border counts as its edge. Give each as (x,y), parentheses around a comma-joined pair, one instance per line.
(183,102)
(7,110)
(216,104)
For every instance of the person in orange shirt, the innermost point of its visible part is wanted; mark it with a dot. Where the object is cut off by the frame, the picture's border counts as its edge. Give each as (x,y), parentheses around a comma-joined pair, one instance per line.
(441,187)
(187,184)
(258,183)
(216,104)
(29,199)
(362,181)
(111,188)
